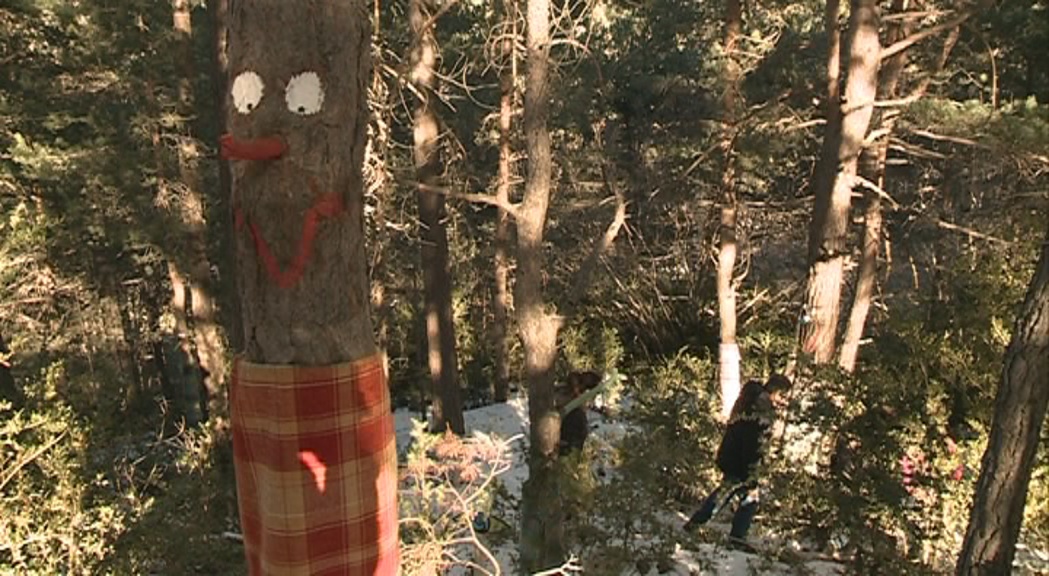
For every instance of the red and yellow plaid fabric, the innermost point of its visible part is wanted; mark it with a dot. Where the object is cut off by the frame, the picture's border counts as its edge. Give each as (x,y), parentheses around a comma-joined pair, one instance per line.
(316,468)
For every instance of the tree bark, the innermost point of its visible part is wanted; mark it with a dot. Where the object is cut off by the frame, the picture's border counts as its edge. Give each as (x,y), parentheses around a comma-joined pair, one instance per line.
(301,268)
(313,437)
(437,282)
(1005,472)
(728,352)
(834,182)
(872,167)
(542,544)
(501,302)
(199,334)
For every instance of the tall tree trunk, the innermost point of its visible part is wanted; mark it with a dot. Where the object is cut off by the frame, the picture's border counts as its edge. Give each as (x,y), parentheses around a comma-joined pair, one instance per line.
(872,167)
(312,426)
(834,182)
(728,352)
(200,336)
(437,281)
(1001,492)
(501,302)
(376,175)
(229,304)
(541,522)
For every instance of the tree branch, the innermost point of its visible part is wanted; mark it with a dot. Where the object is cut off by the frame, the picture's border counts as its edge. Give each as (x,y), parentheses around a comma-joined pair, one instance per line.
(972,233)
(510,208)
(913,39)
(861,182)
(582,277)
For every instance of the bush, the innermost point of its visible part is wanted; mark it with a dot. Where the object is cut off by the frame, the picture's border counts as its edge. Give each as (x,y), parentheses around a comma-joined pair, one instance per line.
(449,496)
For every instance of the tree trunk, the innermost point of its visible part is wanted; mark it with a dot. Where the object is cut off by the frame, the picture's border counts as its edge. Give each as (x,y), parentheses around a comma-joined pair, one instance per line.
(728,352)
(872,167)
(199,333)
(313,439)
(229,304)
(376,175)
(1001,492)
(542,544)
(501,302)
(300,256)
(834,182)
(437,282)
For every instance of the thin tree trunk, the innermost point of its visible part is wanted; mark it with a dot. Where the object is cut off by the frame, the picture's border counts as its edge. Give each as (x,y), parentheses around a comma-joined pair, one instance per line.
(542,543)
(229,304)
(501,302)
(872,167)
(728,352)
(1020,408)
(828,235)
(192,302)
(437,282)
(377,175)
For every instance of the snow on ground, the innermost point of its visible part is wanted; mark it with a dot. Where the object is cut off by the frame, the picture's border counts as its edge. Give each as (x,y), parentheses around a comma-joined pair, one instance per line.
(511,419)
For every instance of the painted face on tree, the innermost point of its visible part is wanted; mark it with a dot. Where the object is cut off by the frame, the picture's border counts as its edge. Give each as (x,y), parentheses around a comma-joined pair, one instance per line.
(303,96)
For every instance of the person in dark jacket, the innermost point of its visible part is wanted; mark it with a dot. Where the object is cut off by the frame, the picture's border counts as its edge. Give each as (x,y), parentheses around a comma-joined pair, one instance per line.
(742,448)
(574,426)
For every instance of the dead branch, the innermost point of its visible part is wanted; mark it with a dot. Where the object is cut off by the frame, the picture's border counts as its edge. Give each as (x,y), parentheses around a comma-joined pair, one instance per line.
(582,277)
(971,233)
(911,149)
(916,15)
(861,182)
(946,138)
(913,39)
(571,566)
(511,209)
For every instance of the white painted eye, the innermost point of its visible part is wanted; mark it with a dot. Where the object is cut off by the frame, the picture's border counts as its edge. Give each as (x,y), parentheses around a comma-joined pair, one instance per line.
(246,91)
(304,94)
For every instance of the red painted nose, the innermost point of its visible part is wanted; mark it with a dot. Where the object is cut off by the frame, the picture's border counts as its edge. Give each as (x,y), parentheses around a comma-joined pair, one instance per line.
(257,149)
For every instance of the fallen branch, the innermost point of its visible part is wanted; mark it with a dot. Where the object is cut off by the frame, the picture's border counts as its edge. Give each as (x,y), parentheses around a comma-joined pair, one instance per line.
(570,566)
(33,456)
(945,138)
(913,39)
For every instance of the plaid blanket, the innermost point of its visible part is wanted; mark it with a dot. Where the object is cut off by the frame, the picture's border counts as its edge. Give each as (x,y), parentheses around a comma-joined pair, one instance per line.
(316,468)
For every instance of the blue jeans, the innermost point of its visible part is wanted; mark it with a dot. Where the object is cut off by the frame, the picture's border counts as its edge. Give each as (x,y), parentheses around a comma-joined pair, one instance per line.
(746,493)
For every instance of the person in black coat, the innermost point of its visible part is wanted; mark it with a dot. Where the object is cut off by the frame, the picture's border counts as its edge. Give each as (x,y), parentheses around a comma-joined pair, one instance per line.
(742,448)
(574,426)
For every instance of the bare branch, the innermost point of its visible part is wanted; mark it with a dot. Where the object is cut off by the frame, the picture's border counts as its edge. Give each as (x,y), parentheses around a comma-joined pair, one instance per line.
(913,15)
(571,566)
(945,138)
(913,39)
(908,148)
(972,233)
(511,209)
(896,102)
(861,182)
(582,278)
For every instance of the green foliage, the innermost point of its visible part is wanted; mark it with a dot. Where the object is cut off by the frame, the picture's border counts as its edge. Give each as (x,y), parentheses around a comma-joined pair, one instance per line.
(619,489)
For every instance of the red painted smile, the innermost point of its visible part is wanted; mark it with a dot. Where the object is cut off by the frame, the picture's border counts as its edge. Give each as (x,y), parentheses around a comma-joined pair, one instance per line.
(325,206)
